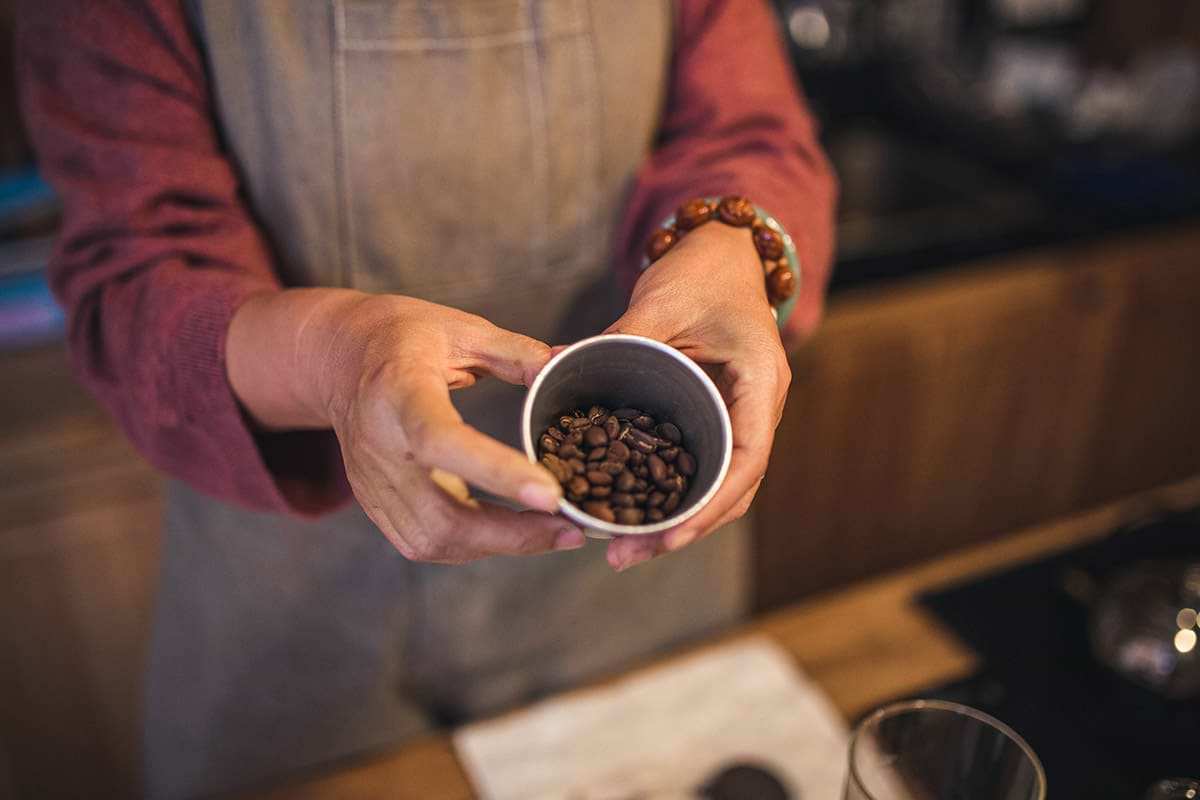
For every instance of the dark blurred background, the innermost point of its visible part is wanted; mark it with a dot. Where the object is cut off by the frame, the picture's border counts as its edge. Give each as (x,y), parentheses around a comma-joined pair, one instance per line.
(1013,335)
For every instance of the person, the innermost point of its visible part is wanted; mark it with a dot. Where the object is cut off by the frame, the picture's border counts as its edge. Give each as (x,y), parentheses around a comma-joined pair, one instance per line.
(311,253)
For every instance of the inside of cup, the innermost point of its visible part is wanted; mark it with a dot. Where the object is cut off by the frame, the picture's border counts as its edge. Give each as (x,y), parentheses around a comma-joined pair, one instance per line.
(619,372)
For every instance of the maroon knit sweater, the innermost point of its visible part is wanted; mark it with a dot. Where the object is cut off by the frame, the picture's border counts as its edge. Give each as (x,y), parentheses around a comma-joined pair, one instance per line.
(157,248)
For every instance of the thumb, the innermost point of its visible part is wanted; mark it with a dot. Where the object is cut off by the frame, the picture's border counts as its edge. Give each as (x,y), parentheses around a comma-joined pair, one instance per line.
(439,439)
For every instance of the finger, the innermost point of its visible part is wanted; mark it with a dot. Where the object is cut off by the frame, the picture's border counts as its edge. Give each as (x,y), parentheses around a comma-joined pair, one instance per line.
(509,356)
(438,437)
(753,418)
(628,551)
(490,530)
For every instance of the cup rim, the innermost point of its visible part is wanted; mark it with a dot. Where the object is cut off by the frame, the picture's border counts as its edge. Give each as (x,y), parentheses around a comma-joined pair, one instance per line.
(903,707)
(577,514)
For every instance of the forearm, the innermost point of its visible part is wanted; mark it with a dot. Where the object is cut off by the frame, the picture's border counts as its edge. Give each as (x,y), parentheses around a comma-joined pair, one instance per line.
(283,352)
(736,123)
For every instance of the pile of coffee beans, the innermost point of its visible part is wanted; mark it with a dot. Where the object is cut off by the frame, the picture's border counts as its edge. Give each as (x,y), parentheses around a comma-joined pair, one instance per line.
(622,466)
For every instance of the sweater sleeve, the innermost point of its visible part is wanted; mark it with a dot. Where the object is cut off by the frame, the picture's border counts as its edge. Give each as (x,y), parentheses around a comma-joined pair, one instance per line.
(735,122)
(157,248)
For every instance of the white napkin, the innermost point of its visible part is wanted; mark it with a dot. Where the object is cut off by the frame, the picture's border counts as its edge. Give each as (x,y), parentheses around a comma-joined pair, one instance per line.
(664,732)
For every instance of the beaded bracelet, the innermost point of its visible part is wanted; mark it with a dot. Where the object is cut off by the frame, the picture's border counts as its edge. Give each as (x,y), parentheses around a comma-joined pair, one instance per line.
(771,241)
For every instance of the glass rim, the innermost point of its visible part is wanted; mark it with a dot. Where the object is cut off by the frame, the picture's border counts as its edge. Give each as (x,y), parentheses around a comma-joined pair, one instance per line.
(906,706)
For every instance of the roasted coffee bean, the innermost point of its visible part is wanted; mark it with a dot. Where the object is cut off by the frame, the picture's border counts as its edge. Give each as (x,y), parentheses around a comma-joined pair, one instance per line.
(672,483)
(630,516)
(600,510)
(669,432)
(618,451)
(558,468)
(658,468)
(641,441)
(619,466)
(595,437)
(598,478)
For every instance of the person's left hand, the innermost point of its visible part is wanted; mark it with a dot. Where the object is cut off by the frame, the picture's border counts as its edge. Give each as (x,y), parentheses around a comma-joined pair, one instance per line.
(707,297)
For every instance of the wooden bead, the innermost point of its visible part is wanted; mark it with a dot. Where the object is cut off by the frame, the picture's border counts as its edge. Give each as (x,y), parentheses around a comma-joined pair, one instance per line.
(780,285)
(692,214)
(660,242)
(768,243)
(737,211)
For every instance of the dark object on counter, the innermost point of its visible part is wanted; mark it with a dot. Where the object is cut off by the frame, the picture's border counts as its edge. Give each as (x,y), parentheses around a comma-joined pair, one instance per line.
(1174,789)
(1097,733)
(622,467)
(745,782)
(1144,626)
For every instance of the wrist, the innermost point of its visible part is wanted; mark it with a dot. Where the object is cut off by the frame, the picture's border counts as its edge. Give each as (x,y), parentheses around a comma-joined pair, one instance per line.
(774,248)
(730,249)
(287,354)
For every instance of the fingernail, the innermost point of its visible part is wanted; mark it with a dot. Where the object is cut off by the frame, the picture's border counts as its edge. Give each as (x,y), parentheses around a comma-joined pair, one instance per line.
(539,496)
(677,540)
(569,539)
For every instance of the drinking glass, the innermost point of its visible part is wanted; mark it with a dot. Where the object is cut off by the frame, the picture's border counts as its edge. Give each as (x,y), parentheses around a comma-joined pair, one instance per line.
(933,750)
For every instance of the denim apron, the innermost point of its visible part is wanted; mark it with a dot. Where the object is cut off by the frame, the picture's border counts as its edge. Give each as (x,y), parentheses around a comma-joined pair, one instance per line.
(474,153)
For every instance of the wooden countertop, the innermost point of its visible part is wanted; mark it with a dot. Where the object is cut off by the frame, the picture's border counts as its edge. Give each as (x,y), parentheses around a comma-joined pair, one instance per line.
(864,645)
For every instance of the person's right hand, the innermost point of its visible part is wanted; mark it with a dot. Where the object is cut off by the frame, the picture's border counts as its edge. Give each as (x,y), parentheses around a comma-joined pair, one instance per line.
(379,369)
